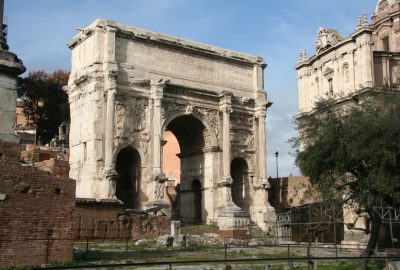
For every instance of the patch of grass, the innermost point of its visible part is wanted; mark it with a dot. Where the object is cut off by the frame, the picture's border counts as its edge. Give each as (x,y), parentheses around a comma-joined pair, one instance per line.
(15,268)
(62,264)
(53,264)
(347,265)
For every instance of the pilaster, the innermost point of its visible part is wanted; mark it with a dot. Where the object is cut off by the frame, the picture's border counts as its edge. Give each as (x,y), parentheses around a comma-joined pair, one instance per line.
(225,182)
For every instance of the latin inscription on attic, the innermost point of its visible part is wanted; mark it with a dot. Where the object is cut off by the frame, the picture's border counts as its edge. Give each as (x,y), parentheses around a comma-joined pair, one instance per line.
(177,63)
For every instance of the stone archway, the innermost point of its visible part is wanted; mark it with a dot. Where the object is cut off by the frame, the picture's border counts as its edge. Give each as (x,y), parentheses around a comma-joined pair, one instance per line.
(240,184)
(128,167)
(193,138)
(212,99)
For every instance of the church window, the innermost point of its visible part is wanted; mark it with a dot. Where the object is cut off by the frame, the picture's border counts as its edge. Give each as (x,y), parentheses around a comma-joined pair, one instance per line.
(385,44)
(330,85)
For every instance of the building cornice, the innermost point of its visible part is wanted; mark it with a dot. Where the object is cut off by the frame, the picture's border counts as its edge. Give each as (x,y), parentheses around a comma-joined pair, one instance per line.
(150,36)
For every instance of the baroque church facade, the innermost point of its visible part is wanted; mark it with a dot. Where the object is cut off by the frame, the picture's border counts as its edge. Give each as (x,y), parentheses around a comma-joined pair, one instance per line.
(347,68)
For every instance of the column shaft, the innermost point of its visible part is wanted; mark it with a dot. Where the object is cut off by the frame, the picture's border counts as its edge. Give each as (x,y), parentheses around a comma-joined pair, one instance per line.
(226,151)
(157,135)
(262,146)
(157,88)
(109,136)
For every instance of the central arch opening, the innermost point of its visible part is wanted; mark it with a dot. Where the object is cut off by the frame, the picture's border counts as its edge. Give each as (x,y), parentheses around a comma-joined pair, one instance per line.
(192,138)
(128,167)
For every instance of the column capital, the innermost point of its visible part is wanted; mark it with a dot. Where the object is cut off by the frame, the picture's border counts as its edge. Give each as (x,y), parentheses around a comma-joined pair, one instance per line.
(157,88)
(261,114)
(225,182)
(225,94)
(161,83)
(225,108)
(225,101)
(263,104)
(112,74)
(111,92)
(262,183)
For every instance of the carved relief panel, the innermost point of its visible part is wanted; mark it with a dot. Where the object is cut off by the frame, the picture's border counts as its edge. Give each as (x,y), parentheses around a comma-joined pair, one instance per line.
(242,136)
(131,119)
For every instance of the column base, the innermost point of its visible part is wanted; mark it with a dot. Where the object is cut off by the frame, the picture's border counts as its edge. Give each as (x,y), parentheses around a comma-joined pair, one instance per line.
(158,207)
(109,183)
(355,239)
(266,219)
(233,222)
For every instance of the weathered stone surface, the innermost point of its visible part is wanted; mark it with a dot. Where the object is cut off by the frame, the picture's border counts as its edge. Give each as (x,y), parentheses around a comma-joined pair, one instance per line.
(10,68)
(141,242)
(108,219)
(132,87)
(165,241)
(36,213)
(192,240)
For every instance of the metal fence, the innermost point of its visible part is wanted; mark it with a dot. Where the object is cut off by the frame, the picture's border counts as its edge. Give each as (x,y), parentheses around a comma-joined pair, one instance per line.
(241,254)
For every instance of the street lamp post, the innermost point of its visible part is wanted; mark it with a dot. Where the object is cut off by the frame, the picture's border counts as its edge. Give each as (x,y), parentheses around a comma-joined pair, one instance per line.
(276,155)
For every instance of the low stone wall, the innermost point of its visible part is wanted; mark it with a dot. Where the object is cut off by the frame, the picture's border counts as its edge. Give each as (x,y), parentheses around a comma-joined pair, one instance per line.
(36,213)
(54,166)
(108,219)
(234,234)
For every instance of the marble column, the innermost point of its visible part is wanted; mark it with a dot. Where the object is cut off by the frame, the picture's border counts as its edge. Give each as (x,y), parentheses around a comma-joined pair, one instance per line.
(110,69)
(262,149)
(157,88)
(226,182)
(226,151)
(109,131)
(109,174)
(265,216)
(158,179)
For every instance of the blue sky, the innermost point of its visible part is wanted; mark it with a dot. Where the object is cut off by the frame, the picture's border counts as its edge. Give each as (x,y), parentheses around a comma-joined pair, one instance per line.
(39,31)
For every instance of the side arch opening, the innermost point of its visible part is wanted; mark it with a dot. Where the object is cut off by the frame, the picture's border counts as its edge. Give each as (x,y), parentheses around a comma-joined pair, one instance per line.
(240,185)
(128,167)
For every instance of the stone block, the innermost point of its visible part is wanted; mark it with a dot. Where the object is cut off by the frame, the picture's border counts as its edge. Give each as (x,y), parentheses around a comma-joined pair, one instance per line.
(165,241)
(141,242)
(192,240)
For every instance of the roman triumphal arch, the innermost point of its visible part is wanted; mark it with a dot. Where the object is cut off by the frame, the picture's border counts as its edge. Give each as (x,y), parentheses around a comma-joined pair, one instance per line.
(131,90)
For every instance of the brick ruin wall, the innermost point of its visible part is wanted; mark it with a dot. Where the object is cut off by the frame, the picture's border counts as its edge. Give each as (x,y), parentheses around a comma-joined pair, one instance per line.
(102,220)
(36,210)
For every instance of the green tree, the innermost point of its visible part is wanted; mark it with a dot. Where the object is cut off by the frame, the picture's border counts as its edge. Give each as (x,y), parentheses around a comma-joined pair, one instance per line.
(45,102)
(351,153)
